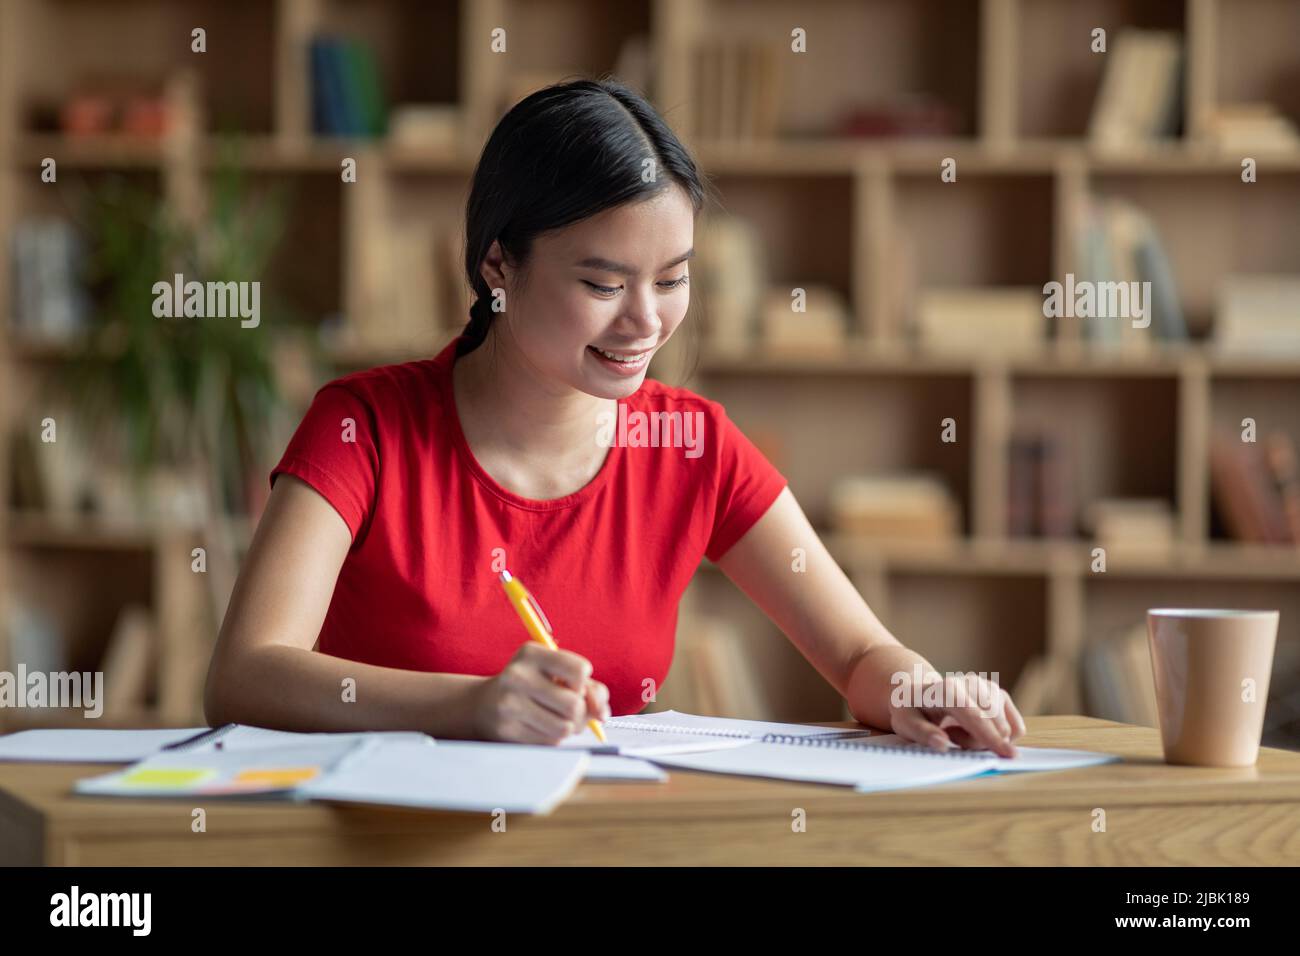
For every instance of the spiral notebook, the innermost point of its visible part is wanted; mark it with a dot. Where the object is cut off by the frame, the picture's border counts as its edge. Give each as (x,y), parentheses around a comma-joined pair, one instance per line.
(818,755)
(671,732)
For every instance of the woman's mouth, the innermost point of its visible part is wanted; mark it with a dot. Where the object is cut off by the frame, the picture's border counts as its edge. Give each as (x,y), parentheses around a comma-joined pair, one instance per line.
(623,363)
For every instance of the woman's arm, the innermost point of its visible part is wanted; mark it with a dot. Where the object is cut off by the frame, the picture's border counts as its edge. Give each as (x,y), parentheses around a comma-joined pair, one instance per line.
(821,612)
(264,671)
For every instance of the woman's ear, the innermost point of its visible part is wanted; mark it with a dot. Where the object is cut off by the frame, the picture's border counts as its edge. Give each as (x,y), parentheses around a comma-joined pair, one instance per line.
(494,267)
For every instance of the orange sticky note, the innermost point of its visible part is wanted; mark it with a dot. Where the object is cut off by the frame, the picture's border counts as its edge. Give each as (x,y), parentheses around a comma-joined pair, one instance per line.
(275,776)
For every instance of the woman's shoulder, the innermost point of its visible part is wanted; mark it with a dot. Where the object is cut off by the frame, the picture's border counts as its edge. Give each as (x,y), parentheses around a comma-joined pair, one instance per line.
(418,381)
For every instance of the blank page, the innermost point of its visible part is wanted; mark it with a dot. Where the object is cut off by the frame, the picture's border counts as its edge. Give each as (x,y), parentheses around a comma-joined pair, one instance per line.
(89,746)
(454,775)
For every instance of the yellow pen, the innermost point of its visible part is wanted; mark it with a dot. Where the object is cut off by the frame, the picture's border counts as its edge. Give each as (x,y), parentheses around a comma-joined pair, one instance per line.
(538,627)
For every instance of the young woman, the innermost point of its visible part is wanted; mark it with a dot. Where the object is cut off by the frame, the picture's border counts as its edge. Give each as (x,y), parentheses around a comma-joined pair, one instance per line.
(370,597)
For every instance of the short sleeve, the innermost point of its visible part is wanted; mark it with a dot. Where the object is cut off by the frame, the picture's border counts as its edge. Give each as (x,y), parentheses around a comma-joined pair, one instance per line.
(335,450)
(747,485)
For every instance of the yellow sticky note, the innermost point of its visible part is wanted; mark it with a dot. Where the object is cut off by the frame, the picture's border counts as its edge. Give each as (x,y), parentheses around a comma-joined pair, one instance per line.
(178,777)
(276,776)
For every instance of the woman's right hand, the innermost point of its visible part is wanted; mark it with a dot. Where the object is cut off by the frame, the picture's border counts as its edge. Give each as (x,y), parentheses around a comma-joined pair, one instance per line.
(540,697)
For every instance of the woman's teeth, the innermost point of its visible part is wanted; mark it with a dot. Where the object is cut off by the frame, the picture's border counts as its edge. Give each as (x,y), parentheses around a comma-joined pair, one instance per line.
(618,357)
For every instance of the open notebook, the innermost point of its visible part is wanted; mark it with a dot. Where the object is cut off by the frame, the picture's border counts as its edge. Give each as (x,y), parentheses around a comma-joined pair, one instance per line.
(881,763)
(671,732)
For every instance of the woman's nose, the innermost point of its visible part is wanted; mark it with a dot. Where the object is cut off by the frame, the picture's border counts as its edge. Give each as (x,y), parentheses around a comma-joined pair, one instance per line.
(642,314)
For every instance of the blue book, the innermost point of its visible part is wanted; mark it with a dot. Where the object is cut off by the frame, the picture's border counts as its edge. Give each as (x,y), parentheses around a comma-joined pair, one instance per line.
(329,115)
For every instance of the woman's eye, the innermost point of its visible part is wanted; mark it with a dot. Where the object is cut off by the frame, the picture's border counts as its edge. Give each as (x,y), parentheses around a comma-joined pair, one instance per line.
(611,290)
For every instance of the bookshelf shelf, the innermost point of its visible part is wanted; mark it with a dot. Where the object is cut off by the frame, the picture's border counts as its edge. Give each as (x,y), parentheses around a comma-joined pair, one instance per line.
(89,152)
(1008,88)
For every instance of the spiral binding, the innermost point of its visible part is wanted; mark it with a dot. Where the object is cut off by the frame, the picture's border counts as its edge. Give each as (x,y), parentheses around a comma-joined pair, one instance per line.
(913,750)
(634,724)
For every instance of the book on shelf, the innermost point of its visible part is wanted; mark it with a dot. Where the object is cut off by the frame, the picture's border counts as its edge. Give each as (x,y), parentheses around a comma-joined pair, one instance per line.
(1140,96)
(735,89)
(1238,127)
(1040,489)
(907,506)
(1120,252)
(1248,494)
(732,272)
(61,478)
(347,93)
(1131,525)
(1284,466)
(1258,315)
(1003,321)
(48,257)
(908,115)
(433,127)
(128,662)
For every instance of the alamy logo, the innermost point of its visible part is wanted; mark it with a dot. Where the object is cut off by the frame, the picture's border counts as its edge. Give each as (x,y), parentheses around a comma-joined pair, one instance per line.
(953,689)
(1085,299)
(56,689)
(637,429)
(103,909)
(208,300)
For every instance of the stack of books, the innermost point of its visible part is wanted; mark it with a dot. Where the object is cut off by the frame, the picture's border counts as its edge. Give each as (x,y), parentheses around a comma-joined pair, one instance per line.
(912,507)
(1252,126)
(1132,525)
(1258,314)
(980,320)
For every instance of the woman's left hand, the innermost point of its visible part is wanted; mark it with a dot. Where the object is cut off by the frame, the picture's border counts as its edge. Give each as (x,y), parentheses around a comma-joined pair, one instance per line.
(971,712)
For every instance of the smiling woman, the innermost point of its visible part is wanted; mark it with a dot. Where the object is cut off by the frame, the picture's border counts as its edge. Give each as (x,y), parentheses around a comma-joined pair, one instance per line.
(407,489)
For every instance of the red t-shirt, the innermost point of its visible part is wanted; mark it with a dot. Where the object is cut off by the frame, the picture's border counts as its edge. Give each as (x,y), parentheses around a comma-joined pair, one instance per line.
(431,528)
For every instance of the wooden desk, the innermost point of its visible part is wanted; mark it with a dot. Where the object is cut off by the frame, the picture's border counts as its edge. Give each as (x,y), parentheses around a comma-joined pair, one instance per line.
(1155,814)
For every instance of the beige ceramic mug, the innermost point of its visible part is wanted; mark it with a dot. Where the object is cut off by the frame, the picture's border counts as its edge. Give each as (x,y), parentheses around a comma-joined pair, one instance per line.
(1211,670)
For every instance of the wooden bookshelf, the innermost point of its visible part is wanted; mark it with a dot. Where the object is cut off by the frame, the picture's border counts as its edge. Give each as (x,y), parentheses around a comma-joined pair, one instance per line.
(1020,81)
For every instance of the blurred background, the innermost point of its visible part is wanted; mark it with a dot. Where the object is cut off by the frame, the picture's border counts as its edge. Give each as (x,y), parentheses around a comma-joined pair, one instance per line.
(899,179)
